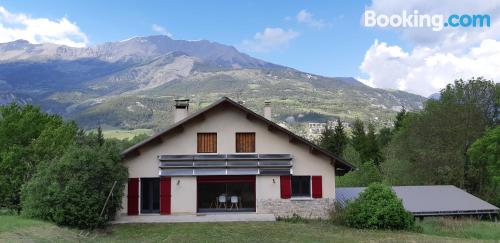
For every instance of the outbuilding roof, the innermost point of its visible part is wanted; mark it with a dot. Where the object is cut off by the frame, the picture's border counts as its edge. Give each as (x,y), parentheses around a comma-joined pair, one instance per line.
(341,166)
(429,200)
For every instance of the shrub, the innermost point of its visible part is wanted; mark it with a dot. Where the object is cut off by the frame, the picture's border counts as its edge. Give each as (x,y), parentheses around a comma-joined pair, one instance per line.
(378,208)
(72,190)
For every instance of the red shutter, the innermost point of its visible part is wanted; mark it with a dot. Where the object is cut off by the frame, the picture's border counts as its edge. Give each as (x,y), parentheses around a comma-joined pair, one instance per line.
(317,189)
(286,186)
(165,195)
(133,196)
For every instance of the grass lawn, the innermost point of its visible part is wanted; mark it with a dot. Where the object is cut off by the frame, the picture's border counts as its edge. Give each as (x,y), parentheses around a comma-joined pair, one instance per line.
(125,134)
(471,229)
(15,229)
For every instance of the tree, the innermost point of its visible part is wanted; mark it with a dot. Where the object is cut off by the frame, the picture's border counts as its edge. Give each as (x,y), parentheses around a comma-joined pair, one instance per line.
(485,158)
(384,136)
(358,135)
(339,138)
(371,150)
(28,136)
(435,140)
(365,174)
(476,94)
(326,139)
(399,119)
(366,143)
(334,140)
(100,136)
(72,190)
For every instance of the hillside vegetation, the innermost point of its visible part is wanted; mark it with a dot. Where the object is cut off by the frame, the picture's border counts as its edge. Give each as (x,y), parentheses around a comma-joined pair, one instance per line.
(131,84)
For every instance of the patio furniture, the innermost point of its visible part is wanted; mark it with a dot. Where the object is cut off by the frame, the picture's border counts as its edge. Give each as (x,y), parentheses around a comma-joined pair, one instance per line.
(234,202)
(222,200)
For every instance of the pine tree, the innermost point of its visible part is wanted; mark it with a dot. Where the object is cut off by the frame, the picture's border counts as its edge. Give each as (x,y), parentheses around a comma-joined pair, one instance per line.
(371,150)
(399,119)
(384,136)
(334,140)
(100,136)
(339,138)
(326,139)
(358,135)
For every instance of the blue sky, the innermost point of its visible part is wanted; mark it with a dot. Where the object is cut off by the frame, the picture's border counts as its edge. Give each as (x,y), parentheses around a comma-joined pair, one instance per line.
(321,37)
(336,49)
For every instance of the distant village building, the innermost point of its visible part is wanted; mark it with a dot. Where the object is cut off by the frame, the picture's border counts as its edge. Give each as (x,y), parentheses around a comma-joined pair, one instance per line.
(315,129)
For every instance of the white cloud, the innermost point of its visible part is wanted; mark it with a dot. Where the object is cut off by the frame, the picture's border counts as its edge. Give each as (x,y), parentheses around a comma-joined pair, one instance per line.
(270,39)
(454,38)
(426,70)
(14,26)
(161,30)
(306,17)
(436,58)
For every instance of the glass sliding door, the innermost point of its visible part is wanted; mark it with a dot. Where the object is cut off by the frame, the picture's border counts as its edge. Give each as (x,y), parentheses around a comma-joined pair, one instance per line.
(150,195)
(226,194)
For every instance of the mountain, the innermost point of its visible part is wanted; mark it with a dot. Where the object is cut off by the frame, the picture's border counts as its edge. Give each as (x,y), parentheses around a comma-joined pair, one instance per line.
(435,96)
(132,83)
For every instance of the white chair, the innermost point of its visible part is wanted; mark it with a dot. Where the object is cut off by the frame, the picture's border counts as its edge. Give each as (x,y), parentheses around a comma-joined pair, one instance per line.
(234,202)
(222,200)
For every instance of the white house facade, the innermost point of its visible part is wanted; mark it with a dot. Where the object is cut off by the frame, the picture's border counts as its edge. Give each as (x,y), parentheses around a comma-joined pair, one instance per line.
(226,158)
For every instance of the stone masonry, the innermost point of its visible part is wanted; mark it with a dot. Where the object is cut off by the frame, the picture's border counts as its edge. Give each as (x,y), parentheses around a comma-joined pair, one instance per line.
(306,208)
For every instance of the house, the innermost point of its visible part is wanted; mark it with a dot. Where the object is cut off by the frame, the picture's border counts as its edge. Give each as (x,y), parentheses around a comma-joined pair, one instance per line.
(227,158)
(431,201)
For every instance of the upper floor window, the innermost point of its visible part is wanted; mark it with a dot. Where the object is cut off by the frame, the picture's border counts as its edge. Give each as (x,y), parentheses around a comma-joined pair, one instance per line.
(245,142)
(207,142)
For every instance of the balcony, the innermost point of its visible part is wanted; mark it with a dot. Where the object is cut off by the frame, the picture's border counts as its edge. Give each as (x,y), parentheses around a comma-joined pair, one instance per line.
(225,164)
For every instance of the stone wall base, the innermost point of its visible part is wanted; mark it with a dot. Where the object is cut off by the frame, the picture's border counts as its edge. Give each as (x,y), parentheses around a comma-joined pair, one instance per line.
(313,208)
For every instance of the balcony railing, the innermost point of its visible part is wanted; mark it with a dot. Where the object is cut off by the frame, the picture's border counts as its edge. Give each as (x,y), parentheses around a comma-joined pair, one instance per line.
(225,164)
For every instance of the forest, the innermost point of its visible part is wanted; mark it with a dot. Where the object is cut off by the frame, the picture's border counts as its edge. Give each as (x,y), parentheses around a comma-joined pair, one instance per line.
(453,140)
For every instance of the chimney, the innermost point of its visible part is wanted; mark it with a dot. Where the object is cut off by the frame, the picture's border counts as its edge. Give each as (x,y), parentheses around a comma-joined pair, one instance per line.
(181,109)
(267,110)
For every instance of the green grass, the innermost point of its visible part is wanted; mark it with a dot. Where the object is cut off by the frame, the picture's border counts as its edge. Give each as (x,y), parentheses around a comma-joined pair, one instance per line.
(125,134)
(465,228)
(16,229)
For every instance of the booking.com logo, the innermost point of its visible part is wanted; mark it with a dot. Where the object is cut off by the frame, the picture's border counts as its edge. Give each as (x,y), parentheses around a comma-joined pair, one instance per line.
(435,21)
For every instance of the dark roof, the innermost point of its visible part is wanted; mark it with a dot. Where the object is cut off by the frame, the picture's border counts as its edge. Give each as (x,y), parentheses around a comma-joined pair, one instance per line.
(429,200)
(341,165)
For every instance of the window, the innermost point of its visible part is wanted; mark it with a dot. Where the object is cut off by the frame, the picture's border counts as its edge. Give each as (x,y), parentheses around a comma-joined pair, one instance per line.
(301,186)
(207,142)
(245,142)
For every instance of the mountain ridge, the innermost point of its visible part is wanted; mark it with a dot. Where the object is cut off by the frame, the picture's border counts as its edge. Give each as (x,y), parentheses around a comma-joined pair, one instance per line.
(104,83)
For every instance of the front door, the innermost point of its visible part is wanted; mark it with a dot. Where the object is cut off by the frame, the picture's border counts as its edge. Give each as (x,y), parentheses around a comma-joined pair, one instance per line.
(150,195)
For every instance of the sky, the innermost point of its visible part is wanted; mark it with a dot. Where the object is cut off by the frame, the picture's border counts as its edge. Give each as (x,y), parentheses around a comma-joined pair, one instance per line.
(320,37)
